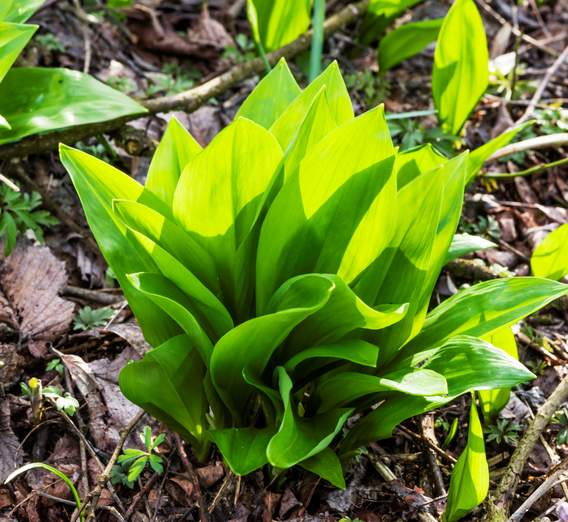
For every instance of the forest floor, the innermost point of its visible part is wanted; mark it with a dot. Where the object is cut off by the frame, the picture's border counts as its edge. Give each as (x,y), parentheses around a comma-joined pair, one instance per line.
(162,47)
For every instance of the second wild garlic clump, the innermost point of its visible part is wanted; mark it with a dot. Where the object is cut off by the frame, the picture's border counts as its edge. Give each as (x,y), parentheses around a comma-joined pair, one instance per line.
(283,275)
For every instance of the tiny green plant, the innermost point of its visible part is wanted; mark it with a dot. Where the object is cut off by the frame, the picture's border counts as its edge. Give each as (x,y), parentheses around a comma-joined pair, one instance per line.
(372,89)
(503,431)
(138,459)
(451,434)
(54,364)
(125,85)
(33,391)
(64,402)
(18,214)
(409,133)
(89,318)
(244,51)
(485,227)
(270,266)
(176,80)
(560,418)
(537,366)
(50,42)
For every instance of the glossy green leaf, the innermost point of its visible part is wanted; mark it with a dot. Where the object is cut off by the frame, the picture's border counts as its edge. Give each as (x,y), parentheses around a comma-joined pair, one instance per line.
(479,156)
(484,308)
(18,11)
(300,438)
(335,214)
(416,161)
(175,369)
(406,41)
(550,259)
(469,482)
(13,38)
(326,465)
(271,97)
(281,21)
(216,200)
(379,16)
(286,127)
(460,75)
(36,100)
(493,401)
(244,449)
(463,244)
(98,184)
(172,155)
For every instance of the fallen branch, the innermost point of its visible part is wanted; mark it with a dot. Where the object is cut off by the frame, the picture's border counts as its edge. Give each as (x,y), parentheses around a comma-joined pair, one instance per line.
(501,498)
(92,295)
(425,442)
(542,142)
(528,172)
(189,100)
(144,491)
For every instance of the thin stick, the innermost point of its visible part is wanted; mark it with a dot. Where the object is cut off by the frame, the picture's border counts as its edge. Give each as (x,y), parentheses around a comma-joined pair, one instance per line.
(70,503)
(8,182)
(425,442)
(91,295)
(528,172)
(542,86)
(542,142)
(189,100)
(151,481)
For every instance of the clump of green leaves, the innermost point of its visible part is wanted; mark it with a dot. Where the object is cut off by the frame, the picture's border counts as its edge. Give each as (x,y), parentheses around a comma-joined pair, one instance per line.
(503,431)
(561,420)
(134,461)
(484,227)
(244,51)
(89,318)
(50,42)
(409,132)
(270,266)
(371,88)
(35,393)
(54,364)
(176,80)
(125,85)
(537,366)
(18,214)
(64,402)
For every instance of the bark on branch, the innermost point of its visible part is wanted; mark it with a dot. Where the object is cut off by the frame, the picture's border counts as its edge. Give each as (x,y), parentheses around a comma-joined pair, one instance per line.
(189,100)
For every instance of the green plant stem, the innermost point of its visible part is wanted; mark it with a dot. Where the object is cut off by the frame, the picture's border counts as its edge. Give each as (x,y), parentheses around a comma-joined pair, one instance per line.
(262,54)
(527,172)
(317,40)
(109,150)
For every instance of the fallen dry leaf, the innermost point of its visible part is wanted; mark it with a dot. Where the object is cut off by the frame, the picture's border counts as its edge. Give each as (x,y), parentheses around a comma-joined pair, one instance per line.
(209,475)
(13,365)
(80,372)
(209,32)
(180,490)
(33,278)
(8,443)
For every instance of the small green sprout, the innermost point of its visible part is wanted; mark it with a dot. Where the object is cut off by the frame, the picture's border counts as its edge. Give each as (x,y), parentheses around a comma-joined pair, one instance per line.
(33,390)
(561,418)
(503,432)
(89,318)
(54,365)
(62,402)
(50,42)
(138,459)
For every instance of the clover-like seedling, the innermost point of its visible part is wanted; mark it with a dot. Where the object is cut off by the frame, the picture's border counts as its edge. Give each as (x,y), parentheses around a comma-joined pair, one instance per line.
(62,402)
(138,459)
(503,432)
(54,365)
(89,318)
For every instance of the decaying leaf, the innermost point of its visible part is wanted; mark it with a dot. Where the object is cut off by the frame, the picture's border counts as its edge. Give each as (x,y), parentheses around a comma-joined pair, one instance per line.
(210,32)
(8,443)
(33,278)
(12,367)
(80,372)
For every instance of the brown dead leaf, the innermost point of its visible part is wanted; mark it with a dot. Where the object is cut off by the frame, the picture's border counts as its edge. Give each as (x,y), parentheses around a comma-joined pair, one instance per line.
(31,283)
(526,193)
(6,497)
(210,475)
(209,32)
(8,443)
(504,121)
(289,501)
(80,372)
(270,502)
(180,490)
(13,365)
(132,334)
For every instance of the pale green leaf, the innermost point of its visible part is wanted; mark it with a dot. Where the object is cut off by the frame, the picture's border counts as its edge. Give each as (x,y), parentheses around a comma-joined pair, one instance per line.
(550,259)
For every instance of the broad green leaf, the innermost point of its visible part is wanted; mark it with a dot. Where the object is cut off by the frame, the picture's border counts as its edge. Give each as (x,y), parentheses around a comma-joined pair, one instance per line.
(219,192)
(211,315)
(18,11)
(36,100)
(479,156)
(272,405)
(345,388)
(253,342)
(98,184)
(399,273)
(271,97)
(244,449)
(171,238)
(463,244)
(177,305)
(416,161)
(281,21)
(336,213)
(460,75)
(13,38)
(469,482)
(286,127)
(406,41)
(174,369)
(327,466)
(379,16)
(550,259)
(300,438)
(493,401)
(465,362)
(484,308)
(172,155)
